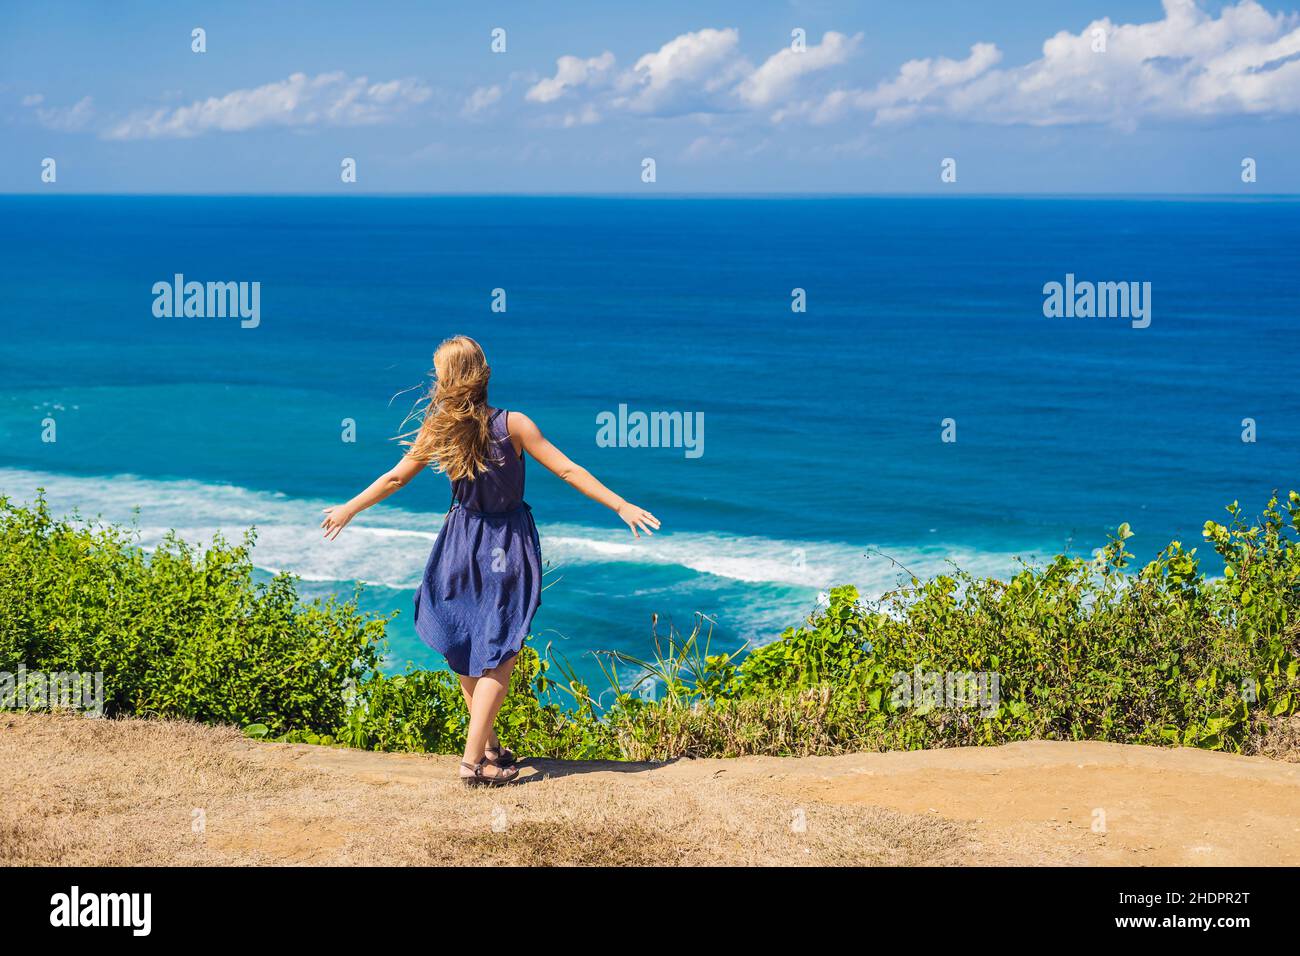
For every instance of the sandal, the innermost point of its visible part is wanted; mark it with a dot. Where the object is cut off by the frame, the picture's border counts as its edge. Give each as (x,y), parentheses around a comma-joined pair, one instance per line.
(479,779)
(504,757)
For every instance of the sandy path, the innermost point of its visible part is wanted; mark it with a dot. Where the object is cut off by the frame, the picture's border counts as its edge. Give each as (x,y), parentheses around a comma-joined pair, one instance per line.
(1080,803)
(85,791)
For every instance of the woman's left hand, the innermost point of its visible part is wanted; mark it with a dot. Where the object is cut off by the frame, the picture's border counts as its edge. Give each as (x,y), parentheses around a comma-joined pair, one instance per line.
(638,518)
(336,519)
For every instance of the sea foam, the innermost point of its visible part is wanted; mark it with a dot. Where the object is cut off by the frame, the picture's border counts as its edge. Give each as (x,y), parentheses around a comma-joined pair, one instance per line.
(389,546)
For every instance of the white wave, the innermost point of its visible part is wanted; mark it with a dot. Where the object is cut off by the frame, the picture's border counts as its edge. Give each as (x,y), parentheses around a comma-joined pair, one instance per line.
(388,546)
(759,560)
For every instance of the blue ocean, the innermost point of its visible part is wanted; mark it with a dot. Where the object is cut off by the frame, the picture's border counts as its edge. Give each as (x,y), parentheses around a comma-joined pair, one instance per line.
(823,458)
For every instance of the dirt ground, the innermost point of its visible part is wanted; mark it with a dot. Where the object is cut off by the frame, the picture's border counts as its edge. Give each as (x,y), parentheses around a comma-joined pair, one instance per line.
(78,791)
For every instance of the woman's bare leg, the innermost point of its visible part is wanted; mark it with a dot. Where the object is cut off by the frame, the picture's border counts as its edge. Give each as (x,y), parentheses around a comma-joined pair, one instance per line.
(486,700)
(467,688)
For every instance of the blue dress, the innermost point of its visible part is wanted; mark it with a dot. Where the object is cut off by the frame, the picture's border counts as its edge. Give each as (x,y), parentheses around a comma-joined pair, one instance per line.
(483,582)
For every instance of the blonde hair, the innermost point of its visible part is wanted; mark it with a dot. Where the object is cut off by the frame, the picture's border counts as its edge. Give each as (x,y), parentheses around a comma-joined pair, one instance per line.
(454,434)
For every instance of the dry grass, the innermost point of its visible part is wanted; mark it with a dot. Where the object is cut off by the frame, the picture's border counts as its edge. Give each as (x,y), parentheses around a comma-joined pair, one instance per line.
(123,792)
(1280,739)
(134,792)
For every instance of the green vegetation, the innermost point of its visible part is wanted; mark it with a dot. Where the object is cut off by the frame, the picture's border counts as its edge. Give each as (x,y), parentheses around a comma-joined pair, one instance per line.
(1077,649)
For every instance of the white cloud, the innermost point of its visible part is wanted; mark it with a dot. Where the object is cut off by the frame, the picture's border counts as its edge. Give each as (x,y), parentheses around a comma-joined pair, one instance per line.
(1188,64)
(571,72)
(481,99)
(921,80)
(330,99)
(62,119)
(778,76)
(582,117)
(684,75)
(701,72)
(709,147)
(1242,60)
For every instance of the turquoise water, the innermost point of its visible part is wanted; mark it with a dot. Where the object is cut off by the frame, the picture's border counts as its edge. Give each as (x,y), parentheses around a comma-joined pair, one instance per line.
(822,445)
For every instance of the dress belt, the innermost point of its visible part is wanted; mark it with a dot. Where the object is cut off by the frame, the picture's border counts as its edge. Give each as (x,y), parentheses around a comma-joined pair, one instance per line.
(455,503)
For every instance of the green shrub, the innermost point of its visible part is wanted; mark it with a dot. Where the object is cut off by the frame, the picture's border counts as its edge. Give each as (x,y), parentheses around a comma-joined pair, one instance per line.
(177,633)
(1080,650)
(1097,650)
(423,712)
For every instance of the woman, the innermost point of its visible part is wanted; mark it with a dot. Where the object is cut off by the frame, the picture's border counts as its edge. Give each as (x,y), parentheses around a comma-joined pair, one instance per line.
(483,582)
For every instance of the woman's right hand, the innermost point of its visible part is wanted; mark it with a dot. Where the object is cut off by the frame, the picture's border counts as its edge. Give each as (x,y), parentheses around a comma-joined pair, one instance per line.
(336,519)
(638,518)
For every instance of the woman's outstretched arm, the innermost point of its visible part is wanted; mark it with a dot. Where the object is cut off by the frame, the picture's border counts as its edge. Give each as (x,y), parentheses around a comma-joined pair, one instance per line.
(337,517)
(531,439)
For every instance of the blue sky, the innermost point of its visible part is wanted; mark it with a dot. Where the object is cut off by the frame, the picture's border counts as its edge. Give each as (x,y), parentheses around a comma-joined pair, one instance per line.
(1016,92)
